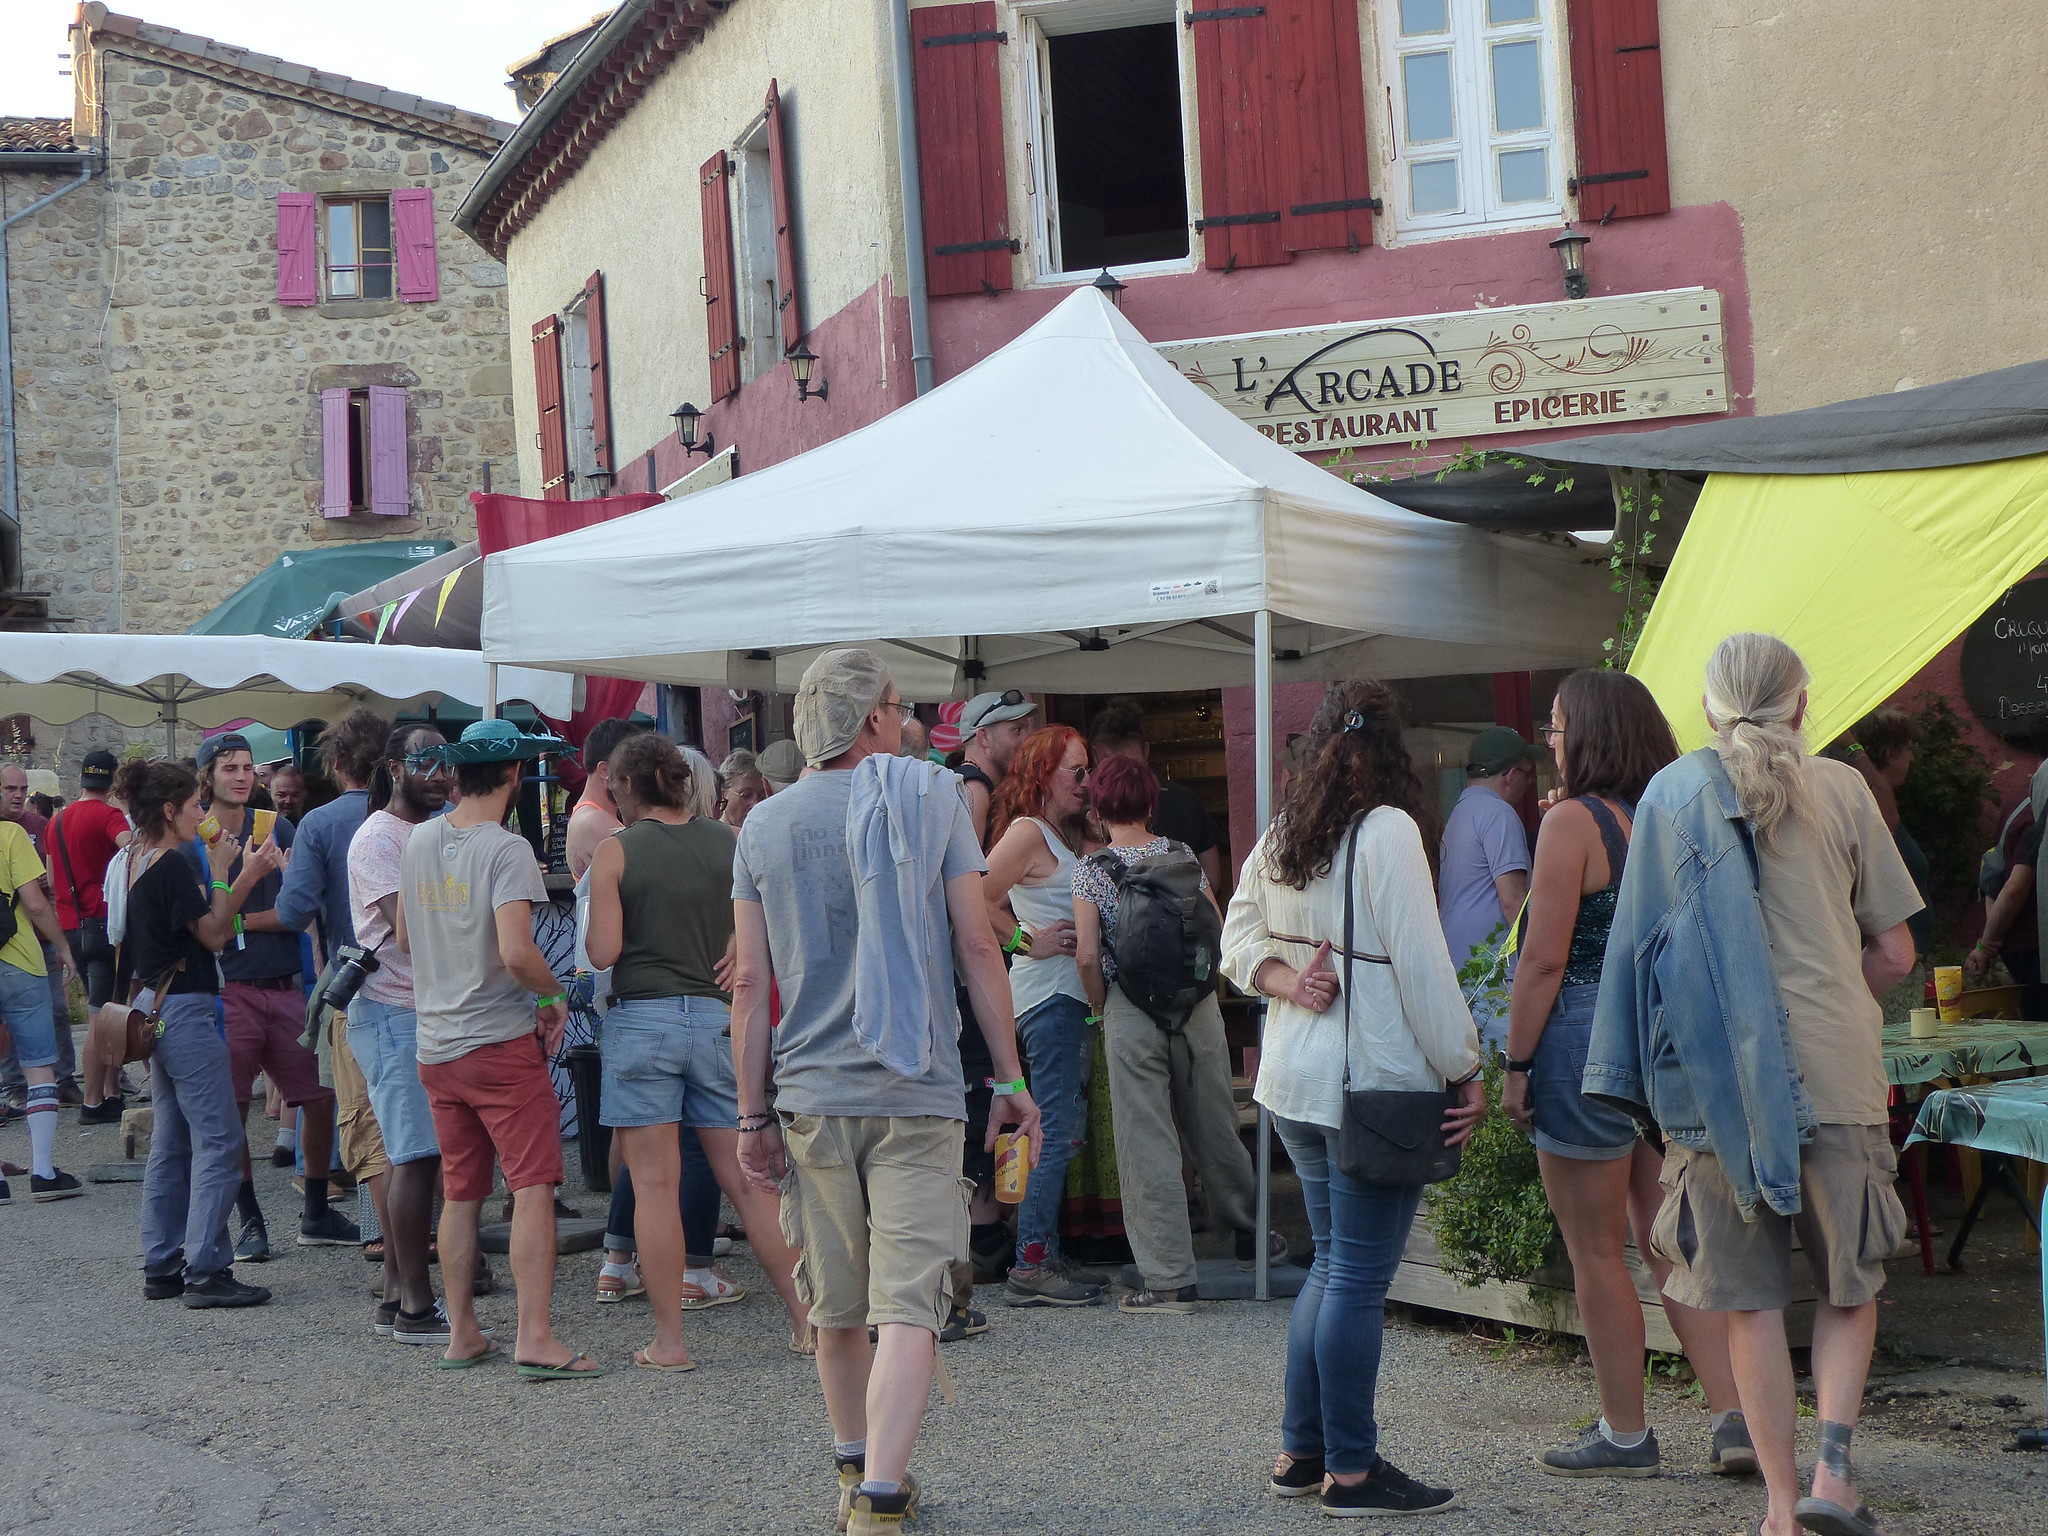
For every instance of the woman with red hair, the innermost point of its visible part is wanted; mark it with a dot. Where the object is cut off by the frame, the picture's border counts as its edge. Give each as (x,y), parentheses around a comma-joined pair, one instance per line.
(1040,819)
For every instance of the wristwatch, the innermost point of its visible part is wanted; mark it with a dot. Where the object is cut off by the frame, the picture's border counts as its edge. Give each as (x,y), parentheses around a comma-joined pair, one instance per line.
(1523,1067)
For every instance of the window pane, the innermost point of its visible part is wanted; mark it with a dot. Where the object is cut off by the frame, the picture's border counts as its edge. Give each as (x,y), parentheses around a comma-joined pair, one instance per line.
(1517,86)
(341,234)
(377,282)
(1500,12)
(377,225)
(1433,186)
(341,283)
(1426,88)
(1525,176)
(1420,16)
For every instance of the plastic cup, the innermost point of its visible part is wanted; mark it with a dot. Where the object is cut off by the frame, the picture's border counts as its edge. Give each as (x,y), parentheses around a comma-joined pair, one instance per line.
(1923,1020)
(1013,1171)
(1948,992)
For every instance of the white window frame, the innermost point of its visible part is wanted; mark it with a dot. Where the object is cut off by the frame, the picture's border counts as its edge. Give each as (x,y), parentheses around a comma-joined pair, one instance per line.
(1037,20)
(1476,143)
(753,250)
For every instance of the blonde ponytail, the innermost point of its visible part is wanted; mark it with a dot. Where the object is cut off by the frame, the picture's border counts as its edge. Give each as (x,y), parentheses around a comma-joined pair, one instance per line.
(1753,689)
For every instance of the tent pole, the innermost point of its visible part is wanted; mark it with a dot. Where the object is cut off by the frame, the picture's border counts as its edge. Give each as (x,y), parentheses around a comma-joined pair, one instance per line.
(171,728)
(1262,779)
(490,690)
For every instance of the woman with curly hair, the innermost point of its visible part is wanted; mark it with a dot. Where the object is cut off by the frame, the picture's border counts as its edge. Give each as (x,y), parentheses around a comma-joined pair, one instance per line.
(1040,819)
(1356,807)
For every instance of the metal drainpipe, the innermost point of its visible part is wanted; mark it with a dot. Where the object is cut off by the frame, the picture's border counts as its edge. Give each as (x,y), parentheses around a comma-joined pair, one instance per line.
(7,470)
(913,205)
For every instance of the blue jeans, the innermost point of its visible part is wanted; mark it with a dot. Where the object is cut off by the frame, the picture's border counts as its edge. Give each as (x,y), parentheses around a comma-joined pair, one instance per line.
(195,1151)
(1058,1053)
(25,1005)
(697,1196)
(1333,1339)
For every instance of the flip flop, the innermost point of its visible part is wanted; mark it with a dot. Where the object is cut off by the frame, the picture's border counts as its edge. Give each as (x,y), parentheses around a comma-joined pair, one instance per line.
(640,1359)
(448,1364)
(566,1371)
(1825,1517)
(808,1346)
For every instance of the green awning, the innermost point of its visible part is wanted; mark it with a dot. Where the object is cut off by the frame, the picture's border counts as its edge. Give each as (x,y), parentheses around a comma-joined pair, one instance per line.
(293,595)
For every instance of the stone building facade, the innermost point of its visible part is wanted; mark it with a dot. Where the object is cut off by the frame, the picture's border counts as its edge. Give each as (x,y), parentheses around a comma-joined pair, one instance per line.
(194,398)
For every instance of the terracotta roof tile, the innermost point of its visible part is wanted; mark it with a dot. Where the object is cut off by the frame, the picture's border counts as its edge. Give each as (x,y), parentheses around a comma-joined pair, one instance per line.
(36,135)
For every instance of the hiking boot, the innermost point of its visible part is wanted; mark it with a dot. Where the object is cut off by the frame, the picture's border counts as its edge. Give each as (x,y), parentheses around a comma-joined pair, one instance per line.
(1049,1285)
(253,1246)
(107,1112)
(963,1323)
(163,1287)
(1597,1456)
(387,1318)
(223,1290)
(59,1186)
(1177,1302)
(330,1229)
(850,1469)
(1733,1455)
(1304,1475)
(1388,1491)
(868,1514)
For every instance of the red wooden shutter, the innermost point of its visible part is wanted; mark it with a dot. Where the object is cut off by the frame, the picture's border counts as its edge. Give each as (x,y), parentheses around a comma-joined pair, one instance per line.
(298,248)
(600,370)
(787,304)
(334,457)
(1236,100)
(721,291)
(547,400)
(390,485)
(1618,100)
(1319,119)
(412,233)
(964,187)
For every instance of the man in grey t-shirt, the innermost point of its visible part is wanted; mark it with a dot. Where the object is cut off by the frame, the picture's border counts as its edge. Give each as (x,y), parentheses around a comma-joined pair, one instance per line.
(868,1161)
(490,1017)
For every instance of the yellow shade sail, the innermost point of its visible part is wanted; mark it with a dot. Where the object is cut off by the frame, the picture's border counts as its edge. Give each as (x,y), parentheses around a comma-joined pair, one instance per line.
(1866,576)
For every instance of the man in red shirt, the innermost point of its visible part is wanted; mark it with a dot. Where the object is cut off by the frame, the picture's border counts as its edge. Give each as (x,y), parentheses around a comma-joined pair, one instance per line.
(79,843)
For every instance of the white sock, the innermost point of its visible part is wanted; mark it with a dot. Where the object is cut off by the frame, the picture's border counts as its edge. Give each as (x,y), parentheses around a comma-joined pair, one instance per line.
(42,1129)
(850,1450)
(288,1137)
(703,1279)
(1620,1441)
(619,1271)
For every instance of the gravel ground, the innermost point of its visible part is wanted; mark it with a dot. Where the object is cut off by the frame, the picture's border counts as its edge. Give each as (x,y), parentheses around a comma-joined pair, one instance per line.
(133,1417)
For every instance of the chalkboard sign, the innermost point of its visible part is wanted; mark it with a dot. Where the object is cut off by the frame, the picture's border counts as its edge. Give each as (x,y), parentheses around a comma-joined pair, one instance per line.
(2005,664)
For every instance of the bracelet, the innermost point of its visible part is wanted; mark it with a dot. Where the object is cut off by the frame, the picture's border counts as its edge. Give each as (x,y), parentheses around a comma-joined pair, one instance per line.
(549,1002)
(1005,1090)
(1093,1018)
(1017,942)
(759,1121)
(1512,1065)
(222,885)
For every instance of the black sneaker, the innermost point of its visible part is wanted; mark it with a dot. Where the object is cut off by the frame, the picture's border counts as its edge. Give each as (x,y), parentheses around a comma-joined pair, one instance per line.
(963,1323)
(1049,1285)
(1304,1475)
(430,1327)
(163,1287)
(59,1186)
(387,1317)
(283,1157)
(1389,1491)
(1733,1455)
(253,1246)
(223,1290)
(1597,1456)
(330,1229)
(107,1112)
(6,1194)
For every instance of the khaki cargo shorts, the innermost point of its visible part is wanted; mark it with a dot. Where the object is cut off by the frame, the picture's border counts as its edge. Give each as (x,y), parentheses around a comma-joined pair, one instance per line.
(878,1210)
(1850,1221)
(362,1142)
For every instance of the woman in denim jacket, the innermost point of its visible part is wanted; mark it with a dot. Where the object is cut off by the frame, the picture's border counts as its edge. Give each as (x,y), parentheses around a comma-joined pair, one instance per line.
(1601,1177)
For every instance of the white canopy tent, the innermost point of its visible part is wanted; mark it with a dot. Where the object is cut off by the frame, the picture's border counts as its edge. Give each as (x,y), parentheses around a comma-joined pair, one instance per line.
(1070,514)
(208,680)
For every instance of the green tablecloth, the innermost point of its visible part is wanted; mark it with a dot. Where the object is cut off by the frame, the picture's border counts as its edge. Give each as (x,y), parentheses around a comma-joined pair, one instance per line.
(1967,1049)
(2010,1117)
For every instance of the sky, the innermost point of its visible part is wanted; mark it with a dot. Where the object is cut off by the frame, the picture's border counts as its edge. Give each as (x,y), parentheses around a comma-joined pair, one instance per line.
(446,50)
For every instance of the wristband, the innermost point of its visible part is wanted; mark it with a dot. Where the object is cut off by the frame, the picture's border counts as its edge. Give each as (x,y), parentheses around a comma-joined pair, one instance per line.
(549,1002)
(1005,1090)
(1512,1065)
(222,885)
(1016,942)
(1093,1018)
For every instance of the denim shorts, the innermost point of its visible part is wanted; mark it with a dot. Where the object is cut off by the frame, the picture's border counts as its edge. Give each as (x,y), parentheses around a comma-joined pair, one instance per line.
(384,1039)
(25,1006)
(1568,1123)
(668,1061)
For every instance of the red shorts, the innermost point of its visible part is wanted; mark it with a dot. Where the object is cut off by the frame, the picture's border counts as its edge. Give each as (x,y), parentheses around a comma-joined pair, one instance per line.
(264,1025)
(498,1098)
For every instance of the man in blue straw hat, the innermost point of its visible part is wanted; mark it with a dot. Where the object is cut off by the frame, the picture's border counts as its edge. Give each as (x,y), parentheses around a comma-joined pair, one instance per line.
(490,1016)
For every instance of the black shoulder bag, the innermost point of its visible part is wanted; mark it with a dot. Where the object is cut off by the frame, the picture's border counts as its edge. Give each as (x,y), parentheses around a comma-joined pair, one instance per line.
(1388,1135)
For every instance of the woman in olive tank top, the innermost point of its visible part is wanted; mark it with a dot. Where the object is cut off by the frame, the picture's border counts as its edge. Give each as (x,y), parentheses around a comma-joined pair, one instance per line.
(661,921)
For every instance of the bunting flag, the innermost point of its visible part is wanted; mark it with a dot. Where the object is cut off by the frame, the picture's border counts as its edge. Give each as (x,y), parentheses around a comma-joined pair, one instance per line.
(404,603)
(384,618)
(447,586)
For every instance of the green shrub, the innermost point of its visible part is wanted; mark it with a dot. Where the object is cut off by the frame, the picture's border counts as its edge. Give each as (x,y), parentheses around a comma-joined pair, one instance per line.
(1492,1221)
(1943,800)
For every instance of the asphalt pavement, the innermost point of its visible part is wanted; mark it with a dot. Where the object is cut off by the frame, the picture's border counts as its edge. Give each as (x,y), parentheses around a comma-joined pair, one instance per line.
(125,1416)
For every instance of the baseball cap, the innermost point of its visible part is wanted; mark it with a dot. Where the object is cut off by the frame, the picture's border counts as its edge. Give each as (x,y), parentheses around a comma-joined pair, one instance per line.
(97,772)
(993,709)
(226,741)
(1497,749)
(781,763)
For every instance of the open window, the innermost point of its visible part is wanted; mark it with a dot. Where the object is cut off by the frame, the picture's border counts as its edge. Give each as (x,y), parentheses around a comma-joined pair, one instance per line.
(364,459)
(1107,154)
(754,224)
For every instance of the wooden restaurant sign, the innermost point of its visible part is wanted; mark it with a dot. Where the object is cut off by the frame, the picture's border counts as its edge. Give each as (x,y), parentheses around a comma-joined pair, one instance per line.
(1517,368)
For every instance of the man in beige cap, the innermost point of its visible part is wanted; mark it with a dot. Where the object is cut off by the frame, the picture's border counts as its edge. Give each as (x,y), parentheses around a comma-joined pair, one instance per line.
(875,1154)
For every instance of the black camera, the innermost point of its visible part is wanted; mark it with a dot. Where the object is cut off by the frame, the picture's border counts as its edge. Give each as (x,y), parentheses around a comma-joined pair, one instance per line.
(351,968)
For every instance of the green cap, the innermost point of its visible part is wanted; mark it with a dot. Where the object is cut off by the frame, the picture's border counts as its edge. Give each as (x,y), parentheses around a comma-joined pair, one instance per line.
(489,741)
(1497,749)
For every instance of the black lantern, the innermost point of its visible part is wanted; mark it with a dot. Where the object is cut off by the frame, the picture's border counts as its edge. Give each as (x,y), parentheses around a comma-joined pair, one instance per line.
(802,362)
(686,418)
(1571,255)
(1106,284)
(600,482)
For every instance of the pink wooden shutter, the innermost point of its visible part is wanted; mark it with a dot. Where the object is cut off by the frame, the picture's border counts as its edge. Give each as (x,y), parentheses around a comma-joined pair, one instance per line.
(298,248)
(412,233)
(333,452)
(390,492)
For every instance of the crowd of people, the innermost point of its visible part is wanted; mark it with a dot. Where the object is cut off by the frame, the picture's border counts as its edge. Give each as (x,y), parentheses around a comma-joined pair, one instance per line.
(849,969)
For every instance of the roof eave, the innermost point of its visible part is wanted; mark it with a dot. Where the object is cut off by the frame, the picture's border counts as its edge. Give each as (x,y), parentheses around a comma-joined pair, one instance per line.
(44,159)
